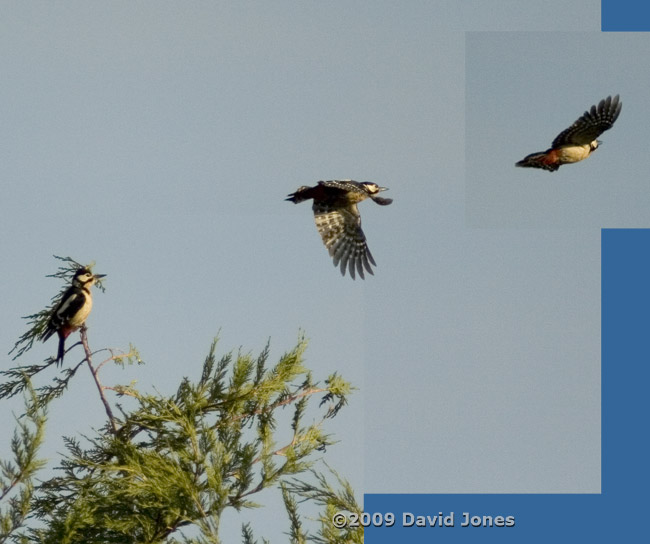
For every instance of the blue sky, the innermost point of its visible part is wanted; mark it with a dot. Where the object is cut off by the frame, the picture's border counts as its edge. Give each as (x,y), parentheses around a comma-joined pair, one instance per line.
(160,142)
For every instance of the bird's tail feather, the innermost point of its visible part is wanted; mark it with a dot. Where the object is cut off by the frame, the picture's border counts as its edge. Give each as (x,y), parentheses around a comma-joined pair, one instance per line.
(538,160)
(300,195)
(61,351)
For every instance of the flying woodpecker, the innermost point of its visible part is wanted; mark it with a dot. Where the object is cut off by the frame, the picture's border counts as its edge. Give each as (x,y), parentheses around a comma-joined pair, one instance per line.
(338,220)
(578,141)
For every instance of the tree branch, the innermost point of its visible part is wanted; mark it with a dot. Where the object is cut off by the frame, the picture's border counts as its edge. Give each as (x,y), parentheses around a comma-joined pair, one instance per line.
(95,373)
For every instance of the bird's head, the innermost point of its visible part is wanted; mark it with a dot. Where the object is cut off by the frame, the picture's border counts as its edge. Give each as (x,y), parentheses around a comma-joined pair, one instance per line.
(83,277)
(595,144)
(372,188)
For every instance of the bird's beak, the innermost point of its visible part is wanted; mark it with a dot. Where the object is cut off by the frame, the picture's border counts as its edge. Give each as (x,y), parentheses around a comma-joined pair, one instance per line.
(382,189)
(98,276)
(599,142)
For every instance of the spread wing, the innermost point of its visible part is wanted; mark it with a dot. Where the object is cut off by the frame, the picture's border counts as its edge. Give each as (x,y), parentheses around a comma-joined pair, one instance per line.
(340,229)
(592,123)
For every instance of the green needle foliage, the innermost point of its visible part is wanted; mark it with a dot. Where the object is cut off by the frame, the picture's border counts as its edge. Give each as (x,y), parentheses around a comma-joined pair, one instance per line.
(165,469)
(181,461)
(333,499)
(17,479)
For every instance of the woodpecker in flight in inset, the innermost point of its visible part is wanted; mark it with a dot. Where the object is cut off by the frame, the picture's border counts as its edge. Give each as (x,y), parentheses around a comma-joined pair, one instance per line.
(338,220)
(72,310)
(578,141)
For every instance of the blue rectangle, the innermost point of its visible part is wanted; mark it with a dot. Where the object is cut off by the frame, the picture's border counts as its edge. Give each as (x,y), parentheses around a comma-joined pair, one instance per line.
(619,513)
(625,15)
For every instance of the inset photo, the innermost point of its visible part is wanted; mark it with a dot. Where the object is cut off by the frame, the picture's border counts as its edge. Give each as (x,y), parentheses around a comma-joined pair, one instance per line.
(557,125)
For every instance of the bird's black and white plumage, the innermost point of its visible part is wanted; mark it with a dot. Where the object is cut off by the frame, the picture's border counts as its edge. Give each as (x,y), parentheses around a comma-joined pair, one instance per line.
(338,220)
(578,141)
(72,310)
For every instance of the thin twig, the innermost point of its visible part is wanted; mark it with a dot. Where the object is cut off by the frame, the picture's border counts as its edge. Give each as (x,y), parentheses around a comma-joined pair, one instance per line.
(114,357)
(94,372)
(18,478)
(121,391)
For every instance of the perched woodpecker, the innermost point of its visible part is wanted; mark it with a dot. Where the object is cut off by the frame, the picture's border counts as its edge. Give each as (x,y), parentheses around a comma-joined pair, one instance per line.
(578,141)
(338,220)
(73,309)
